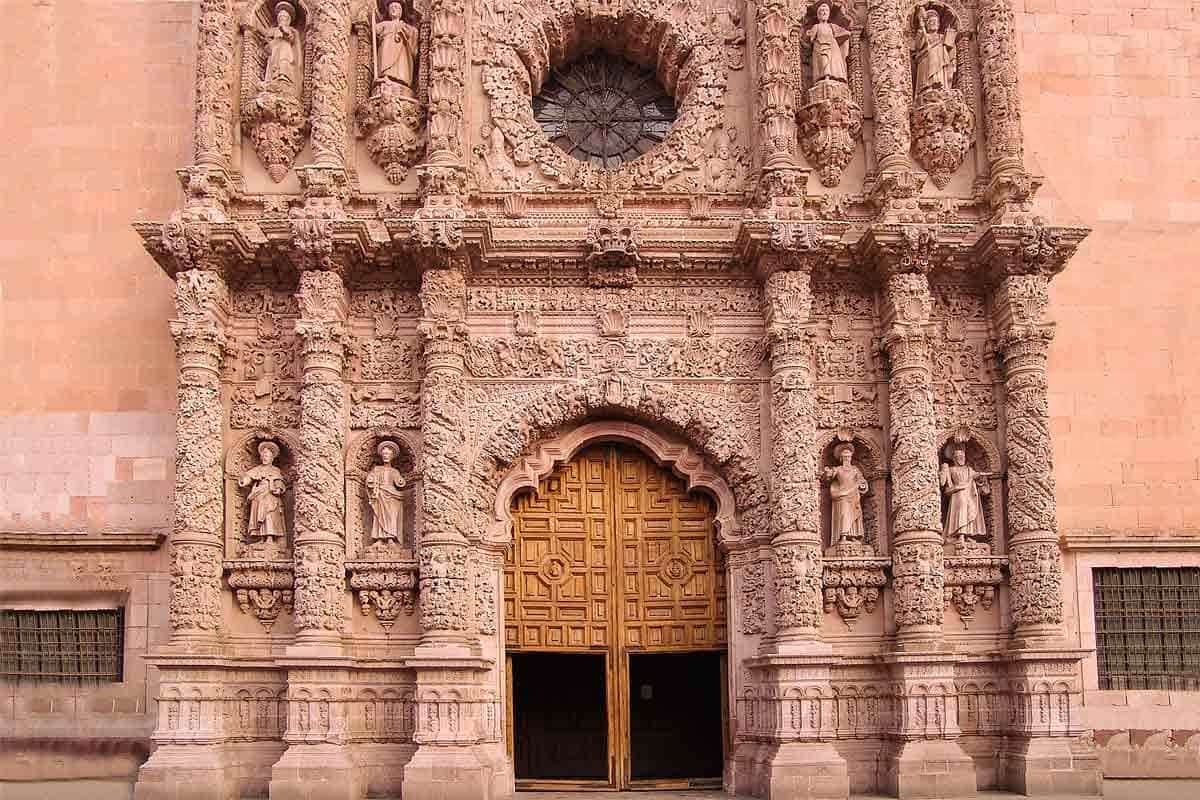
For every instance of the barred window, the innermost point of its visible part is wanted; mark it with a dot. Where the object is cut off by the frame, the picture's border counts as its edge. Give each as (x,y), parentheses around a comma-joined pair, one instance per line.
(75,647)
(1148,628)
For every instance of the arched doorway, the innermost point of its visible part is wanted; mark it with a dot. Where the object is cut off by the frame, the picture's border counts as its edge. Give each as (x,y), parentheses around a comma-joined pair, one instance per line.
(615,628)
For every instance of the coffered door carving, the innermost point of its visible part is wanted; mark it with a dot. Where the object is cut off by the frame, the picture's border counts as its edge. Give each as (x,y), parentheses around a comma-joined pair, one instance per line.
(613,555)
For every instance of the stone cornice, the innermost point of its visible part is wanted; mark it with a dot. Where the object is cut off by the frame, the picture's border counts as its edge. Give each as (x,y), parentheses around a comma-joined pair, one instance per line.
(82,540)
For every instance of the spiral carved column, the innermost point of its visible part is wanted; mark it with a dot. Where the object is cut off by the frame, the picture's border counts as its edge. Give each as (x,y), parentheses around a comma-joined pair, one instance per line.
(890,85)
(213,140)
(330,32)
(1001,94)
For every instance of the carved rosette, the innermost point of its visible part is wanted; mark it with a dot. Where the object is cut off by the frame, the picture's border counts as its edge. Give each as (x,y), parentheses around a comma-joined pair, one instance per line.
(391,124)
(943,127)
(384,588)
(851,586)
(275,122)
(263,588)
(830,124)
(202,307)
(320,497)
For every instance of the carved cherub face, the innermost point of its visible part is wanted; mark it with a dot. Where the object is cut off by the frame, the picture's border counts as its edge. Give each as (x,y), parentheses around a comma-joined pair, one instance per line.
(823,12)
(395,10)
(960,456)
(932,23)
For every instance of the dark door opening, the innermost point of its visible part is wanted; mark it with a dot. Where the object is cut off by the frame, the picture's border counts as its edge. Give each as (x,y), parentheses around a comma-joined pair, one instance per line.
(560,717)
(675,716)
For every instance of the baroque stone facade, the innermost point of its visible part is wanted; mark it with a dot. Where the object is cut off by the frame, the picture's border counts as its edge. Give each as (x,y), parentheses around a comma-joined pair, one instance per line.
(827,325)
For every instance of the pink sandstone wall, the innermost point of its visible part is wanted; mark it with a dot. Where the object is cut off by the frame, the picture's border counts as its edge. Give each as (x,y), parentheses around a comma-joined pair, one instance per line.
(94,117)
(1111,92)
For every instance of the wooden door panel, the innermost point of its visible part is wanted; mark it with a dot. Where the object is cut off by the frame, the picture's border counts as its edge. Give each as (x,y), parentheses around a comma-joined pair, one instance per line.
(612,553)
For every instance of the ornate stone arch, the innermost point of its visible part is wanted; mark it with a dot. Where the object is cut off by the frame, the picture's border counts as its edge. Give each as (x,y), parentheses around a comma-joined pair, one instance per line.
(526,42)
(677,456)
(698,422)
(240,456)
(360,457)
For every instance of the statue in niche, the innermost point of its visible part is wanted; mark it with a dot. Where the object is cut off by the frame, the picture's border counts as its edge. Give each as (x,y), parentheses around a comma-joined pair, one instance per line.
(265,521)
(847,484)
(395,53)
(501,168)
(385,495)
(284,58)
(830,45)
(965,522)
(937,54)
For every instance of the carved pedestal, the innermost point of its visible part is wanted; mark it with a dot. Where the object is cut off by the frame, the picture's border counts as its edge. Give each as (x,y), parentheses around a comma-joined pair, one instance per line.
(263,588)
(275,122)
(943,127)
(391,124)
(923,757)
(317,762)
(851,586)
(384,588)
(830,123)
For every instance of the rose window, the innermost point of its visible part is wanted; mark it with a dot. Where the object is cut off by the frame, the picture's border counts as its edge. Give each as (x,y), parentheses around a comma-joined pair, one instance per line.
(604,110)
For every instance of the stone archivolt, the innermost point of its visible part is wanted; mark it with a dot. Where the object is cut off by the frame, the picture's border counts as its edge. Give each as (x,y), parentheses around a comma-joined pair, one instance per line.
(487,326)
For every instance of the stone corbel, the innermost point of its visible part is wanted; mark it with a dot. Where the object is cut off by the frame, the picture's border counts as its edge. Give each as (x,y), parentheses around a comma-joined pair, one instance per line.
(971,582)
(263,588)
(384,588)
(852,586)
(613,258)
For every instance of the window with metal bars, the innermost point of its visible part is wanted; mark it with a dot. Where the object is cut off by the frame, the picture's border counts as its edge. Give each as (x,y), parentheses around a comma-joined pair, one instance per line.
(1148,627)
(72,647)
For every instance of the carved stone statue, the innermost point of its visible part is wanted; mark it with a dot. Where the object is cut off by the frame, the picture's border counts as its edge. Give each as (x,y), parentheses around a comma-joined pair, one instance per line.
(937,54)
(964,512)
(265,520)
(846,486)
(396,52)
(829,44)
(385,495)
(284,56)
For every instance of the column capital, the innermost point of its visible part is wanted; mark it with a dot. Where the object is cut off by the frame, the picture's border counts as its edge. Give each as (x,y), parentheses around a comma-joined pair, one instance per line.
(1005,251)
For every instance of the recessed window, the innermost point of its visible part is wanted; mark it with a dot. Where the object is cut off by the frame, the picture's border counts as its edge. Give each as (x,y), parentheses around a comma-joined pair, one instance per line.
(604,110)
(73,647)
(1148,628)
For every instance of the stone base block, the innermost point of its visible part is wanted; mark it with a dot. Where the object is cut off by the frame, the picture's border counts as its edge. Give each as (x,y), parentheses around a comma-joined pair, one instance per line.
(928,769)
(316,772)
(1048,766)
(186,772)
(445,772)
(802,771)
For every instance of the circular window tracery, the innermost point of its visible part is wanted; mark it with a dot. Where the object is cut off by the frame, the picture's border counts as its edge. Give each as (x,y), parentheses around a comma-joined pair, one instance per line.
(604,110)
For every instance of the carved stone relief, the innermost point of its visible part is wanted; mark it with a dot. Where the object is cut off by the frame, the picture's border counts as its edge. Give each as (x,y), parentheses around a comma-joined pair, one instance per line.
(943,118)
(276,80)
(388,106)
(829,108)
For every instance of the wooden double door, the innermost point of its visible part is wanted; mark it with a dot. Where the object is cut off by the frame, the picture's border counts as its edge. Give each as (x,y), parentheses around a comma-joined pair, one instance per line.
(615,628)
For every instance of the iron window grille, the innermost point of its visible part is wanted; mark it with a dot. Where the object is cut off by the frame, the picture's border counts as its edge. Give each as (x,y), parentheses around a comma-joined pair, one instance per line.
(72,647)
(1148,627)
(604,110)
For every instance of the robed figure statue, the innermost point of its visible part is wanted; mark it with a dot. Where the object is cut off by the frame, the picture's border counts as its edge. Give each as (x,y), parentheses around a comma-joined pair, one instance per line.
(964,508)
(396,52)
(284,59)
(829,44)
(937,54)
(268,486)
(385,495)
(847,484)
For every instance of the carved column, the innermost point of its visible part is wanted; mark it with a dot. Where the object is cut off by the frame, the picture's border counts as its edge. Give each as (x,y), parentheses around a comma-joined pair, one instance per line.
(1001,94)
(320,494)
(799,761)
(447,64)
(891,85)
(781,176)
(1044,673)
(190,731)
(197,540)
(214,85)
(453,731)
(923,757)
(795,534)
(330,32)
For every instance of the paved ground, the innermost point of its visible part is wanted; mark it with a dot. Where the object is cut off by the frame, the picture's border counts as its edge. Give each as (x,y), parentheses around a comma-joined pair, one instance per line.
(123,790)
